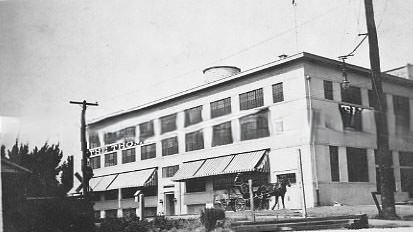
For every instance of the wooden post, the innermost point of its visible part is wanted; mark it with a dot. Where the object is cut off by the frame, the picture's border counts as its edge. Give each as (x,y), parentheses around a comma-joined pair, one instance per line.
(304,211)
(251,200)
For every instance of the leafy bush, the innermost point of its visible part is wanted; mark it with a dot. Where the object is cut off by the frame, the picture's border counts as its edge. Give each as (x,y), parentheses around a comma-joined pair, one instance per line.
(209,217)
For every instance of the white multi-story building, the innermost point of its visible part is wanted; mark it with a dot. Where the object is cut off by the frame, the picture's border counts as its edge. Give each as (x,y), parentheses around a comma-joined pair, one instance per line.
(172,155)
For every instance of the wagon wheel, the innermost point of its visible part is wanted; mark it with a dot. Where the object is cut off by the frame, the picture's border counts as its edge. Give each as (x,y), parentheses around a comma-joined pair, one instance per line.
(239,204)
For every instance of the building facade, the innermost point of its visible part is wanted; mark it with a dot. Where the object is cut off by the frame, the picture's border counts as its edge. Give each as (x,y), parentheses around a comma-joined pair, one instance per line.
(173,155)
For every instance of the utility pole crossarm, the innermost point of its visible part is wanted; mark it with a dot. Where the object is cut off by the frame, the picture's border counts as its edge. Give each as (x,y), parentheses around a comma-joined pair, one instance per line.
(84,102)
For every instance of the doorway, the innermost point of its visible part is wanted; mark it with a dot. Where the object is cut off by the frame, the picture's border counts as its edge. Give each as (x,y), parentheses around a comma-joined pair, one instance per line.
(169,204)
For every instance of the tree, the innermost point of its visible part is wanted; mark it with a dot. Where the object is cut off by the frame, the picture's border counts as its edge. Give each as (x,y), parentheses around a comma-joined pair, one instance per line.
(66,178)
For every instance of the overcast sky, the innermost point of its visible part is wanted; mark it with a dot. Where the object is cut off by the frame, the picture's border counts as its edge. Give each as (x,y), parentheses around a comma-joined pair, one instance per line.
(126,53)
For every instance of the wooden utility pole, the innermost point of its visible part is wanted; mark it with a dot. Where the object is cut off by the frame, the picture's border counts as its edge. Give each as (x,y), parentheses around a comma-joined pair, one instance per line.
(383,152)
(83,143)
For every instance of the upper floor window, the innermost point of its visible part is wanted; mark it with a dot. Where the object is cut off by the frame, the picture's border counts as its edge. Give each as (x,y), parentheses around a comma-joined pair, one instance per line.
(357,165)
(351,94)
(221,134)
(221,107)
(402,113)
(194,141)
(128,155)
(254,126)
(110,137)
(169,171)
(127,134)
(148,151)
(170,146)
(146,130)
(168,123)
(94,140)
(111,159)
(193,115)
(328,90)
(277,92)
(351,117)
(251,99)
(95,162)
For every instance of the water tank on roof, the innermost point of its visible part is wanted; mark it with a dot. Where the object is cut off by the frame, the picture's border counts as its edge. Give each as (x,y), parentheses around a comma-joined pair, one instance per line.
(218,72)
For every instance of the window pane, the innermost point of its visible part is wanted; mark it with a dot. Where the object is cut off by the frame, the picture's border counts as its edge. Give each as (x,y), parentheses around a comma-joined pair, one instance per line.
(128,155)
(402,113)
(170,146)
(110,137)
(146,130)
(193,115)
(222,134)
(406,159)
(278,92)
(357,165)
(254,126)
(195,186)
(168,123)
(111,159)
(334,164)
(194,141)
(169,171)
(351,95)
(251,99)
(95,162)
(328,90)
(148,151)
(94,141)
(220,107)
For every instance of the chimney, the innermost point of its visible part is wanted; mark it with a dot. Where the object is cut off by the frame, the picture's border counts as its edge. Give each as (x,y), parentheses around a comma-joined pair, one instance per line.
(218,72)
(403,72)
(282,56)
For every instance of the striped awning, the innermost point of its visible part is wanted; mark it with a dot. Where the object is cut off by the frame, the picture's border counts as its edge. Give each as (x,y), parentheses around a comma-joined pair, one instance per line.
(243,162)
(132,179)
(101,183)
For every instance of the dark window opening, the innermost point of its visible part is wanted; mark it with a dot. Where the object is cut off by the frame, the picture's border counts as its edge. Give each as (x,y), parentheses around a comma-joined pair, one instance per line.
(168,123)
(194,141)
(251,99)
(254,126)
(95,162)
(111,213)
(193,115)
(334,164)
(193,186)
(277,92)
(111,159)
(222,134)
(129,212)
(291,177)
(94,141)
(357,165)
(148,151)
(128,193)
(401,108)
(328,90)
(351,94)
(146,130)
(169,171)
(150,191)
(170,146)
(128,155)
(111,194)
(221,107)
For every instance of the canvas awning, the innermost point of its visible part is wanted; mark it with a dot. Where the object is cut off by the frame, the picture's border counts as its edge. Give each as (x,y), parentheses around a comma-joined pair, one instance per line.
(133,179)
(101,183)
(243,162)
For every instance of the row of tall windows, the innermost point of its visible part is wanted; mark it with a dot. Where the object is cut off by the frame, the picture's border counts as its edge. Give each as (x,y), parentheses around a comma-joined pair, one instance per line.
(249,100)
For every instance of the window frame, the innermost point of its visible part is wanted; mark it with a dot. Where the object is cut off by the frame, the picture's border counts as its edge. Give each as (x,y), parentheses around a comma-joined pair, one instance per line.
(194,141)
(328,90)
(169,171)
(114,159)
(148,153)
(278,92)
(260,119)
(251,99)
(352,95)
(222,134)
(93,164)
(334,164)
(357,164)
(166,123)
(129,157)
(220,107)
(193,115)
(146,130)
(170,150)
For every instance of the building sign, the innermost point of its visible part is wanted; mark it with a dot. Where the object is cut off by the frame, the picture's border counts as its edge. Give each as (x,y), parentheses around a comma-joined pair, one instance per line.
(114,147)
(351,116)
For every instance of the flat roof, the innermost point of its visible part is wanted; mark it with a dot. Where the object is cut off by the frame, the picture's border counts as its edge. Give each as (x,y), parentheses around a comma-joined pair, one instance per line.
(300,57)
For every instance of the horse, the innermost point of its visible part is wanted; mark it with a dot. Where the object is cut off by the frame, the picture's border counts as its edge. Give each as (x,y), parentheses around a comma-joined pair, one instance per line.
(277,189)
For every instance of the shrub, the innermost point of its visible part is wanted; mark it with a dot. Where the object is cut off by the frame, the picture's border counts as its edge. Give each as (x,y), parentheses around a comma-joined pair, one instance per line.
(209,217)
